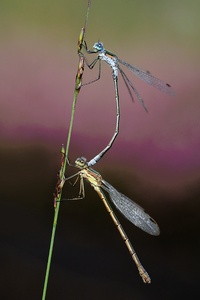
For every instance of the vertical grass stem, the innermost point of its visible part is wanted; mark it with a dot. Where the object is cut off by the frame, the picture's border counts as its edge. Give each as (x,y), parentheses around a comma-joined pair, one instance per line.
(61,177)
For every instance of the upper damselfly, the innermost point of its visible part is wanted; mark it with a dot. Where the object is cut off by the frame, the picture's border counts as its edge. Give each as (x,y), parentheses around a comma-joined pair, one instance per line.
(114,62)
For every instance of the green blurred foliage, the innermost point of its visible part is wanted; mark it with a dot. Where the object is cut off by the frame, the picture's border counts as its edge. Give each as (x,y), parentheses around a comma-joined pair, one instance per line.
(116,18)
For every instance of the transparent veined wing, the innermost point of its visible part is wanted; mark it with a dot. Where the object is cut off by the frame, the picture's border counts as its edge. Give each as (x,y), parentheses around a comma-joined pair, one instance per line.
(131,210)
(149,78)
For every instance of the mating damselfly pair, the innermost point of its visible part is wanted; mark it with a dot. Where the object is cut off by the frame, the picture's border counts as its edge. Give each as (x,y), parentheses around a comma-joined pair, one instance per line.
(132,211)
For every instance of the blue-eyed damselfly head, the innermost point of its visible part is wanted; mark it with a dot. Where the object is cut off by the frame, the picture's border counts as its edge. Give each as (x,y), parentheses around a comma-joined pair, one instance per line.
(81,163)
(98,46)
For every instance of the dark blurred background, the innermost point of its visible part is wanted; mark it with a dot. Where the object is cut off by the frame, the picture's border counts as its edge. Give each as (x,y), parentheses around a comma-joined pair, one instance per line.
(155,159)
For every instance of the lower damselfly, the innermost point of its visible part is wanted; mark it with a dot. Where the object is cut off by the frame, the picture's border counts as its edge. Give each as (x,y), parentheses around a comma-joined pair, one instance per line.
(114,62)
(132,211)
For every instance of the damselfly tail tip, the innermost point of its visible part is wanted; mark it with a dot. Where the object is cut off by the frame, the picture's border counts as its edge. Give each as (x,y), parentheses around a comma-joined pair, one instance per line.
(145,276)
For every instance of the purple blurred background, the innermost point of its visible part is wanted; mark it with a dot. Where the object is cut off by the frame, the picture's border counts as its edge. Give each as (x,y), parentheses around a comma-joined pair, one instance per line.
(155,159)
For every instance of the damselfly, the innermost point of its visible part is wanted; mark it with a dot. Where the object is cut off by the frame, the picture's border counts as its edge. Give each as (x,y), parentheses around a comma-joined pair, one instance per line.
(132,211)
(114,62)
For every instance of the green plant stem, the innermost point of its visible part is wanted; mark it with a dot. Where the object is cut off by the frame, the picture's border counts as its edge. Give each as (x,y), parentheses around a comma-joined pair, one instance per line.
(61,178)
(63,169)
(56,212)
